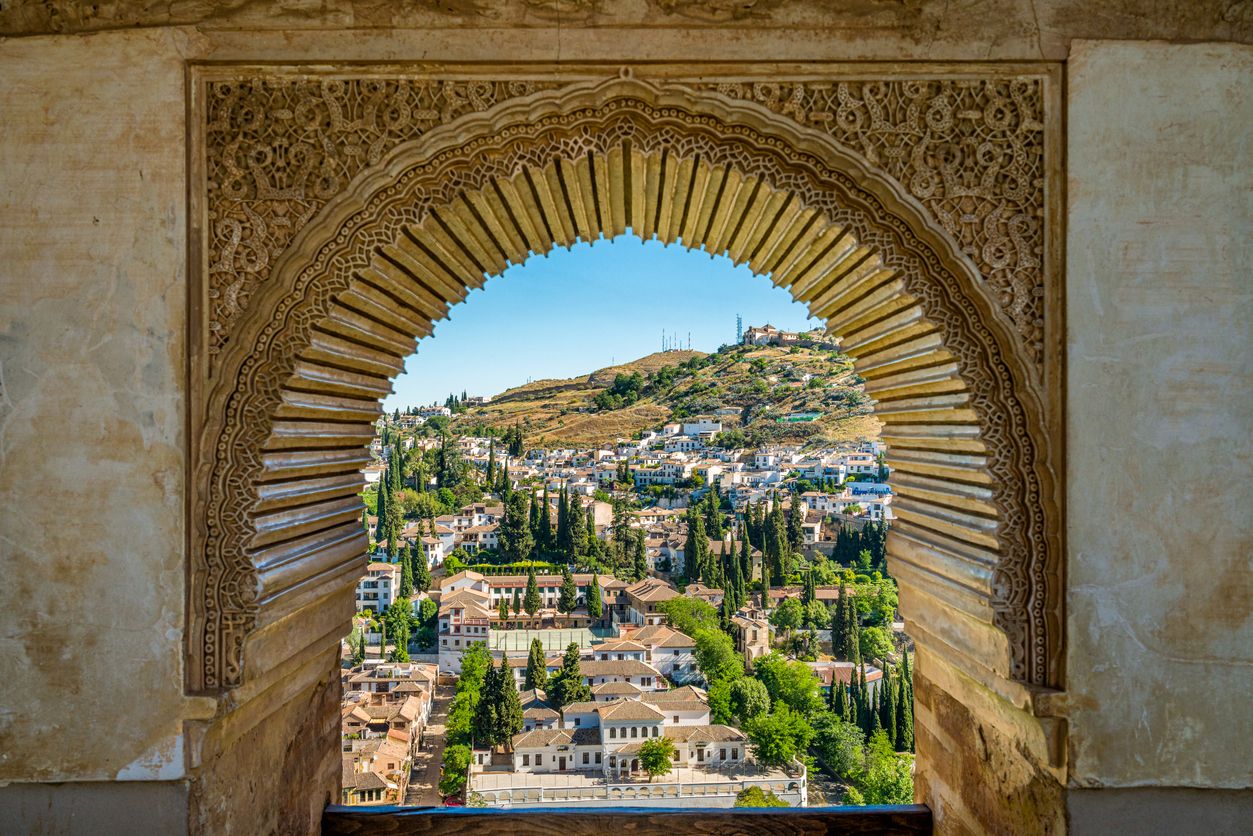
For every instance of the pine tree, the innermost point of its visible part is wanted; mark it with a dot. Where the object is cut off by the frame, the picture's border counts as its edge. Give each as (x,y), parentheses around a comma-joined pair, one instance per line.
(569,594)
(595,607)
(639,568)
(532,600)
(536,677)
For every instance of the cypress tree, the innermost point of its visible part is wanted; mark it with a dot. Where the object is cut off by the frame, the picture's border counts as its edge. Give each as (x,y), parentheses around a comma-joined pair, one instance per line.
(595,607)
(532,599)
(536,671)
(904,719)
(569,686)
(545,538)
(796,516)
(381,507)
(593,542)
(365,521)
(854,636)
(532,517)
(887,706)
(502,610)
(491,463)
(484,725)
(839,624)
(696,547)
(578,530)
(568,596)
(406,572)
(517,602)
(746,567)
(421,573)
(640,562)
(509,719)
(563,521)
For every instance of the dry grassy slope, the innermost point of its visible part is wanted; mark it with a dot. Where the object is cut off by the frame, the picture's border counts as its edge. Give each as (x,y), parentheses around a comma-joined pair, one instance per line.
(562,412)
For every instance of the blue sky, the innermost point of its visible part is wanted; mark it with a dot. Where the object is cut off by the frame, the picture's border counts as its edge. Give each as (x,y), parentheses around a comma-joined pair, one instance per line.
(578,310)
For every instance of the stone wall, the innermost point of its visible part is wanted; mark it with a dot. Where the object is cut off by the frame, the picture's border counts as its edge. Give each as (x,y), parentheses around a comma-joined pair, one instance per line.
(1161,412)
(92,441)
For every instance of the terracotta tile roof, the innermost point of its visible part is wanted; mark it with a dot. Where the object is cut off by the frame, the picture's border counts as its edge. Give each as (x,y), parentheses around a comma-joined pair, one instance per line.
(616,667)
(550,737)
(629,710)
(620,646)
(703,734)
(616,688)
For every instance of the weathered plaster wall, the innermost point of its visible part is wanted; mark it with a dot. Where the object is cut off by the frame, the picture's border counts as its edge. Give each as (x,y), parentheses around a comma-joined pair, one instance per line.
(1160,303)
(92,307)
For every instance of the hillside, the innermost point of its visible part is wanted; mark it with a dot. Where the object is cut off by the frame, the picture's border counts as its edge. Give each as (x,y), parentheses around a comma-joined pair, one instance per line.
(767,383)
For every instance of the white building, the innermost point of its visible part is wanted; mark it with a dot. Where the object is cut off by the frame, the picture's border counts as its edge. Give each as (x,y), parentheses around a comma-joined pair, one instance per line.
(378,588)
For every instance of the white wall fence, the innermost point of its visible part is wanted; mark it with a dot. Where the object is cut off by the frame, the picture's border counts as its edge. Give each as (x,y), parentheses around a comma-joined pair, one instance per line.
(657,794)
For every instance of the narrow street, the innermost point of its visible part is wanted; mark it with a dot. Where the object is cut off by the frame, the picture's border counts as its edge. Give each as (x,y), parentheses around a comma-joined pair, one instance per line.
(424,777)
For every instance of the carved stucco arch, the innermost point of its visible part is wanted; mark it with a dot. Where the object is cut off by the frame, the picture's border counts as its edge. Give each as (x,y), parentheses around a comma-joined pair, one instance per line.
(299,383)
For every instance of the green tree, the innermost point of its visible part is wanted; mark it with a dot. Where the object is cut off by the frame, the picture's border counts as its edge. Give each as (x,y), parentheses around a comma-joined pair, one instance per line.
(639,567)
(595,606)
(502,611)
(456,767)
(696,547)
(789,682)
(421,573)
(719,699)
(578,530)
(887,779)
(567,685)
(532,600)
(406,572)
(838,745)
(656,756)
(779,737)
(563,521)
(789,615)
(568,597)
(509,719)
(716,655)
(757,797)
(749,698)
(874,643)
(536,668)
(689,615)
(515,530)
(544,539)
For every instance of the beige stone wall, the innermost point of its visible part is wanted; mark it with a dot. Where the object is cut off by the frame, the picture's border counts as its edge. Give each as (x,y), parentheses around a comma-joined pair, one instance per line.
(92,307)
(1160,414)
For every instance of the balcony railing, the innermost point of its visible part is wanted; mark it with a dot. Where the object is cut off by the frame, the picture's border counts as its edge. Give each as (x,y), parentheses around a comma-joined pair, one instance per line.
(911,820)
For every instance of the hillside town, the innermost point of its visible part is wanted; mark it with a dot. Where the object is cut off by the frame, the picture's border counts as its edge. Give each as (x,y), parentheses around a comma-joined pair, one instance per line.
(674,619)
